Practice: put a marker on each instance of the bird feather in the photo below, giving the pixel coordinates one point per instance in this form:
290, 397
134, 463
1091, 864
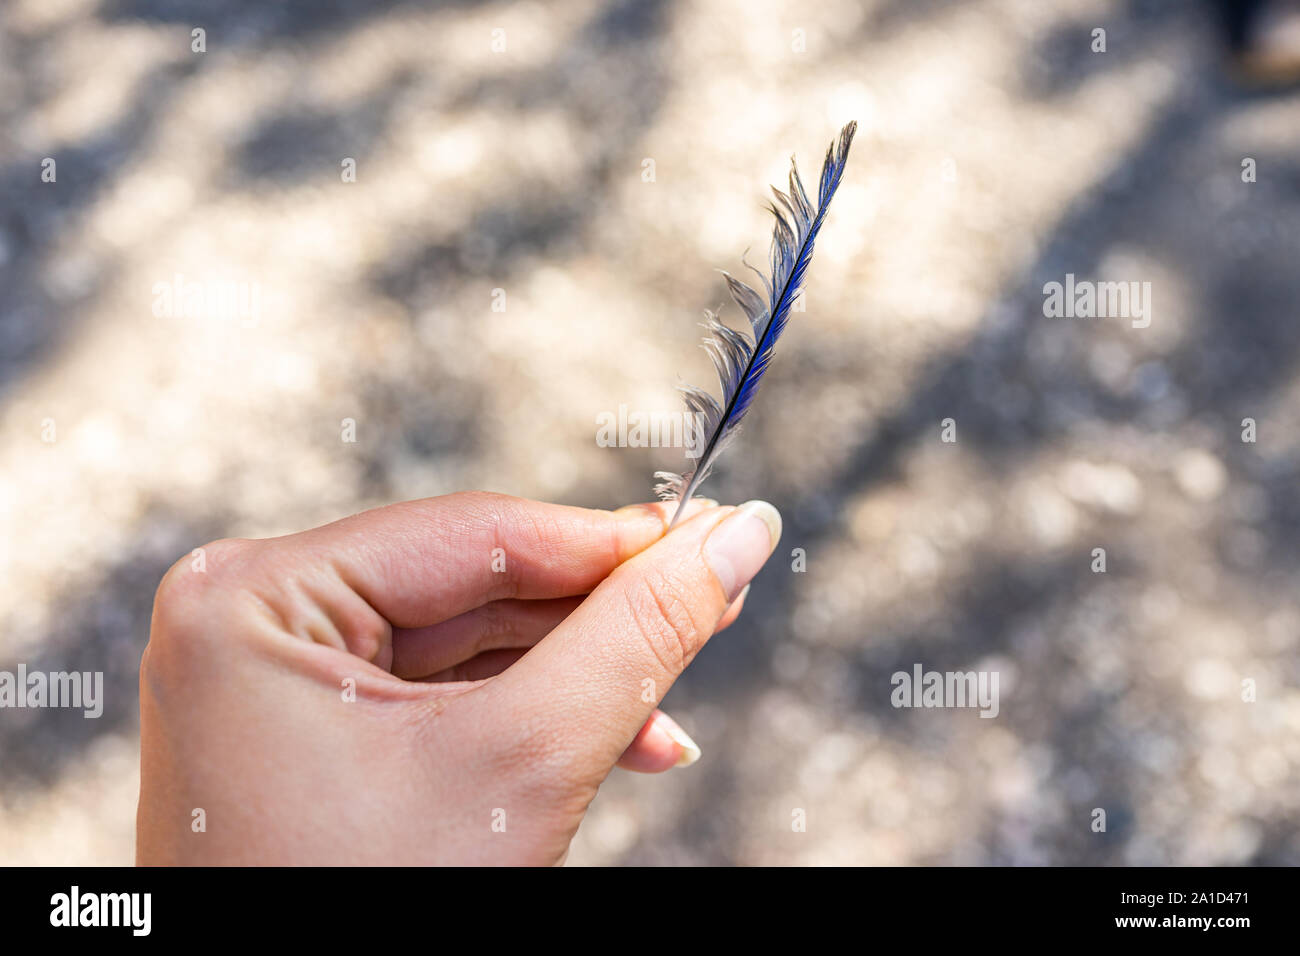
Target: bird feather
740, 362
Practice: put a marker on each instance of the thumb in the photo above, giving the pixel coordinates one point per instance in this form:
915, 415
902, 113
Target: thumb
589, 686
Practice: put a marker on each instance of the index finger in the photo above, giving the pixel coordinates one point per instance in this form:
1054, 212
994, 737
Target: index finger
421, 562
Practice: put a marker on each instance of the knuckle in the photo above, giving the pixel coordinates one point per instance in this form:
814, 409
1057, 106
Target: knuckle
363, 630
183, 581
371, 628
191, 584
487, 507
661, 608
499, 513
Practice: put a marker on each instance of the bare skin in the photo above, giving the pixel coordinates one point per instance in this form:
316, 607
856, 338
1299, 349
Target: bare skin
436, 682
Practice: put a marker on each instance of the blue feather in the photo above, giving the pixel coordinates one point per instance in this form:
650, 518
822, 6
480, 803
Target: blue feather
740, 364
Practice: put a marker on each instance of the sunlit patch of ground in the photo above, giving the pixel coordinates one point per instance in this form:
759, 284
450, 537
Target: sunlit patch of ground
997, 152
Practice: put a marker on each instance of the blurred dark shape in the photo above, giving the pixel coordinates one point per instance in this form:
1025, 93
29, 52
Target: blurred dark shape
1237, 17
1263, 41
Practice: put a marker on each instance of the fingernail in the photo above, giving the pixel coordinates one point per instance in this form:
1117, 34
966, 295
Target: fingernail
741, 544
690, 749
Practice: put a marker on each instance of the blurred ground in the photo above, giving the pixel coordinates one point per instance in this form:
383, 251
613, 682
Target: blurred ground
996, 153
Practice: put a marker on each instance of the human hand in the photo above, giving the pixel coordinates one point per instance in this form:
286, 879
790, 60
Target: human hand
440, 681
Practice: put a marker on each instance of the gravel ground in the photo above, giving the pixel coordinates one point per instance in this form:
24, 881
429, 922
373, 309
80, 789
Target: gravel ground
997, 152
